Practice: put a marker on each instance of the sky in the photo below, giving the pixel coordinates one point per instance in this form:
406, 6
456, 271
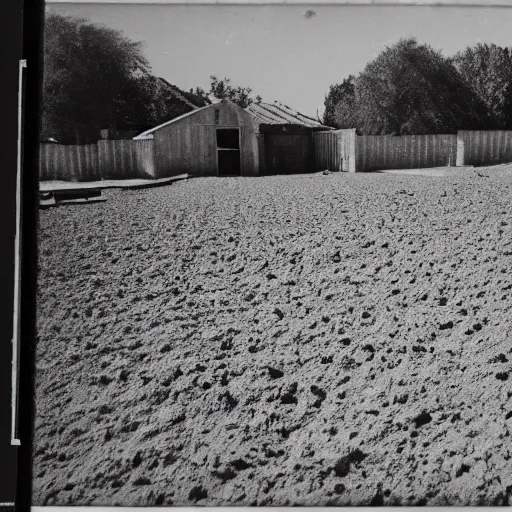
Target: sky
279, 52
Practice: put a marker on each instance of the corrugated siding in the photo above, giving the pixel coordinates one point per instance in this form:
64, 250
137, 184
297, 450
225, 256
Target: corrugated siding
71, 163
108, 159
379, 152
486, 147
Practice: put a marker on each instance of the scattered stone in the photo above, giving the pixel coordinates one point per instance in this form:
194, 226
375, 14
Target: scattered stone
197, 493
343, 466
274, 372
141, 481
422, 419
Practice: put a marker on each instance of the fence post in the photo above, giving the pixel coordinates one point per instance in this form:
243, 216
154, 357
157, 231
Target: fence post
352, 160
460, 149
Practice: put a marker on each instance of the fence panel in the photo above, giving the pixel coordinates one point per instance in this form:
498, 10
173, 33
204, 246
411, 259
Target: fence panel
70, 163
485, 147
379, 152
335, 150
116, 159
126, 159
325, 153
108, 159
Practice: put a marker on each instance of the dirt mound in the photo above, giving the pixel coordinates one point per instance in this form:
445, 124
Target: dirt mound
338, 339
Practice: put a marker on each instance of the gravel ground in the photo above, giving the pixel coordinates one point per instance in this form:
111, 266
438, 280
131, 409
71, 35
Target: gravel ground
289, 340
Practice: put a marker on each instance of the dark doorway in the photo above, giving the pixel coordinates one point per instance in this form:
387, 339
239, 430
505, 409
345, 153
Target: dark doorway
228, 152
288, 153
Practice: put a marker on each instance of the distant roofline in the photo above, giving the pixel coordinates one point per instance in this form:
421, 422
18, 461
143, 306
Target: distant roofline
274, 117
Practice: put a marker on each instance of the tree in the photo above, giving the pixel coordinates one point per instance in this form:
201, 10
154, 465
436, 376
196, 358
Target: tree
410, 88
487, 70
198, 96
339, 94
242, 96
94, 78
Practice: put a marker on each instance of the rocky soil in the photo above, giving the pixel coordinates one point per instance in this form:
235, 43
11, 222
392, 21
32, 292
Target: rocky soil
302, 340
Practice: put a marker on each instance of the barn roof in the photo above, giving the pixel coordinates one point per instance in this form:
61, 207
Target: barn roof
148, 134
262, 113
278, 113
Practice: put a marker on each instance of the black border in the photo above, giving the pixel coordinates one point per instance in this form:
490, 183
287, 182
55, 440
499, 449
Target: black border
33, 16
11, 12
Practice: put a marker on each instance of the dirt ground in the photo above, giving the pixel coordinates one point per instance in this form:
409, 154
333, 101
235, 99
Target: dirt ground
290, 340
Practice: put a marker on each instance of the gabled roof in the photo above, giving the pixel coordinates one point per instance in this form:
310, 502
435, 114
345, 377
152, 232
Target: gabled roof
148, 134
277, 113
262, 113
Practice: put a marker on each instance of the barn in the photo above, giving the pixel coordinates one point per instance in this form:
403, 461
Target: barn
287, 138
220, 139
223, 139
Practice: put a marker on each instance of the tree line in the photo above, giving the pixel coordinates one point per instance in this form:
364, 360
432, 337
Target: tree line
410, 88
96, 78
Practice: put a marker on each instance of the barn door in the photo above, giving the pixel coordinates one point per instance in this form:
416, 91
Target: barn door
228, 152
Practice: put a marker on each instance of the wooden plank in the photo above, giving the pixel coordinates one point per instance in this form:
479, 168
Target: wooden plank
50, 186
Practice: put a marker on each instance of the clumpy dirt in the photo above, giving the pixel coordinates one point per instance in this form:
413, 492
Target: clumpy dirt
291, 340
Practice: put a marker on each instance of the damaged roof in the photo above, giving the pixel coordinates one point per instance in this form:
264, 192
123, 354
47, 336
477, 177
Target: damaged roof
278, 113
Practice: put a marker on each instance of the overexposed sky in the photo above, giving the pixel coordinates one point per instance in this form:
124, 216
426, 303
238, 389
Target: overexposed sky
276, 50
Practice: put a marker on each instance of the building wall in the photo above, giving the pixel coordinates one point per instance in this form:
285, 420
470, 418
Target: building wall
288, 154
261, 153
289, 148
189, 145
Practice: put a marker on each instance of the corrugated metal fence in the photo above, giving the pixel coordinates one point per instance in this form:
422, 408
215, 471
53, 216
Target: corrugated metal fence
334, 150
107, 159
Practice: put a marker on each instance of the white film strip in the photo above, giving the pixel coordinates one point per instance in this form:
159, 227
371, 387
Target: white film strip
17, 268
